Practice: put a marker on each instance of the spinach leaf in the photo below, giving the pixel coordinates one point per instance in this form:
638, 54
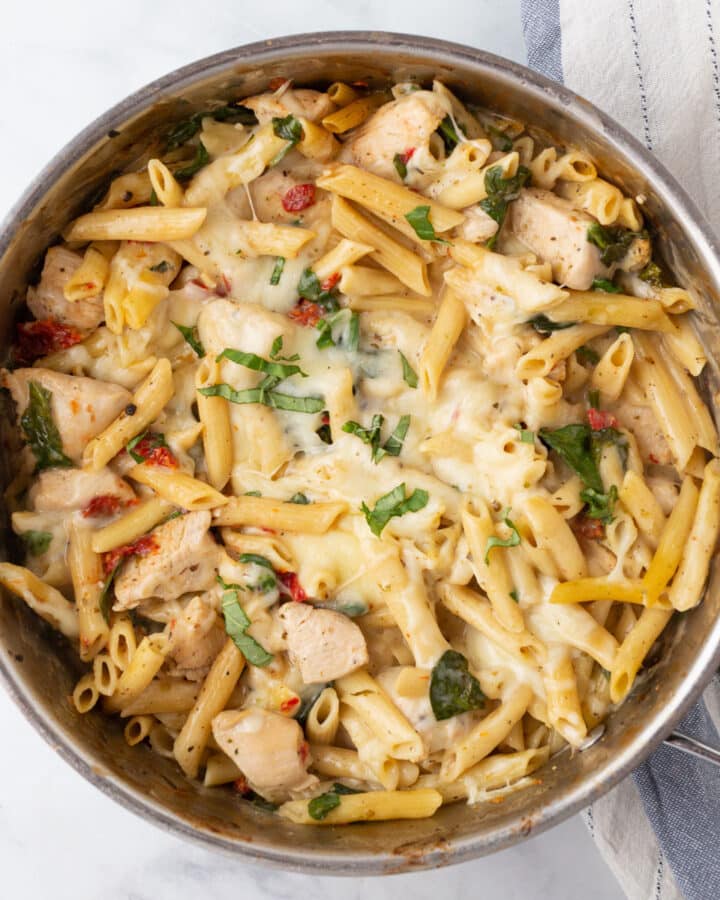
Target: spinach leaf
188, 128
500, 193
309, 288
495, 541
453, 690
36, 542
393, 504
446, 130
419, 218
409, 374
236, 625
574, 444
600, 506
587, 355
613, 241
277, 270
202, 158
604, 284
190, 334
289, 129
499, 139
320, 806
41, 431
543, 325
652, 274
266, 397
106, 595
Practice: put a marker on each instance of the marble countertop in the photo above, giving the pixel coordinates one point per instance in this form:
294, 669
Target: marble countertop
60, 66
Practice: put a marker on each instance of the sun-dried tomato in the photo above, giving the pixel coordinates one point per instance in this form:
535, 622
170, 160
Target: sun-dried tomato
143, 546
241, 786
592, 529
292, 585
289, 704
306, 313
154, 451
102, 505
407, 155
37, 339
298, 197
276, 83
599, 419
330, 282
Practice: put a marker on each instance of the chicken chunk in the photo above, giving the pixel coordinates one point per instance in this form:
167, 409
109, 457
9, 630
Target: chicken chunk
407, 123
184, 561
311, 105
47, 301
64, 489
322, 643
196, 637
81, 407
268, 748
557, 232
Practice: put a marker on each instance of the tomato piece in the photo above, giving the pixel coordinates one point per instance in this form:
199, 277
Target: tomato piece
292, 585
289, 704
599, 419
155, 452
306, 313
102, 505
298, 197
592, 529
276, 83
143, 546
241, 786
44, 336
330, 282
407, 155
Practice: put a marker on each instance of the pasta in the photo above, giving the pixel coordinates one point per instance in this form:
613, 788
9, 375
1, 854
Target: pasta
379, 464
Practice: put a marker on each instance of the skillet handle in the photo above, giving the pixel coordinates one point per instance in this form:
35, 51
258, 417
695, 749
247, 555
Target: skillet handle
695, 748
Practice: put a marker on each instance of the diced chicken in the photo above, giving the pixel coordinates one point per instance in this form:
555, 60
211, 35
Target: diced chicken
322, 643
557, 232
649, 436
81, 407
196, 637
406, 124
311, 105
478, 226
184, 561
47, 301
268, 748
62, 489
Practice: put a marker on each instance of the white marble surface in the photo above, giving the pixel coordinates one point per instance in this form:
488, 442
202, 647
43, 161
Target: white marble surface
61, 64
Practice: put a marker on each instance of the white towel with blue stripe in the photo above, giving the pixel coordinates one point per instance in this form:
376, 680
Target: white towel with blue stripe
652, 65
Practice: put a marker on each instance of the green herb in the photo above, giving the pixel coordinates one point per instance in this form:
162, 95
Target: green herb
495, 541
155, 439
594, 399
256, 559
188, 128
580, 448
622, 329
447, 132
279, 370
175, 514
324, 432
36, 542
400, 165
202, 158
300, 499
154, 198
500, 193
604, 284
453, 689
652, 274
266, 397
252, 494
587, 355
289, 129
325, 338
526, 436
162, 266
351, 332
600, 506
393, 445
277, 346
277, 270
514, 595
309, 288
419, 218
613, 241
353, 341
236, 626
106, 595
409, 374
543, 325
190, 334
260, 802
320, 806
395, 503
352, 608
499, 139
41, 431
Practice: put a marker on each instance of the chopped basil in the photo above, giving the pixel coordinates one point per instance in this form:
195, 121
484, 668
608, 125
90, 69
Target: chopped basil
155, 439
395, 503
500, 193
400, 165
41, 431
419, 218
289, 129
309, 288
277, 270
594, 399
409, 374
543, 325
325, 338
353, 340
350, 337
371, 436
514, 595
600, 506
495, 541
652, 275
190, 334
256, 559
604, 284
252, 361
154, 198
36, 542
453, 689
587, 355
394, 444
499, 139
580, 449
106, 595
202, 158
252, 494
446, 130
236, 626
277, 346
320, 806
613, 241
351, 608
188, 128
266, 397
300, 499
162, 266
526, 436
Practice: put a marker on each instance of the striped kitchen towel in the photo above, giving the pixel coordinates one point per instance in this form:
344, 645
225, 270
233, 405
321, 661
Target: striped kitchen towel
653, 66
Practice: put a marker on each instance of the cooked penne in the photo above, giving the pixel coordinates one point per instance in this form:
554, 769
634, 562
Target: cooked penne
143, 223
